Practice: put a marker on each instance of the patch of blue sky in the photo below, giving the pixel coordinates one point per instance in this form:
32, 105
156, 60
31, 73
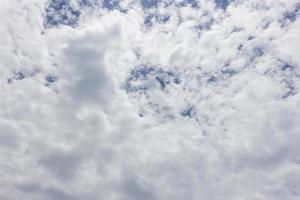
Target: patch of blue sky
150, 4
188, 112
290, 16
256, 53
60, 12
224, 74
287, 67
192, 3
90, 3
228, 72
290, 89
19, 75
222, 3
111, 4
51, 78
203, 26
147, 4
151, 18
139, 75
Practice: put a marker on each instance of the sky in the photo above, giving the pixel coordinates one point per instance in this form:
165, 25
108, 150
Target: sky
149, 100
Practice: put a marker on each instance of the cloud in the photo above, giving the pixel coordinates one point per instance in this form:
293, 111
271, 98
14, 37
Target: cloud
89, 76
8, 136
149, 100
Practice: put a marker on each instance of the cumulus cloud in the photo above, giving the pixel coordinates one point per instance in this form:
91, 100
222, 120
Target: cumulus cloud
150, 99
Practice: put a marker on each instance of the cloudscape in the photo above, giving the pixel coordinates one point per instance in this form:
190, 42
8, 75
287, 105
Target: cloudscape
149, 100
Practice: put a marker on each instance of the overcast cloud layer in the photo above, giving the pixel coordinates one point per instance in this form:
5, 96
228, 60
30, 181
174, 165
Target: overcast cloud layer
149, 100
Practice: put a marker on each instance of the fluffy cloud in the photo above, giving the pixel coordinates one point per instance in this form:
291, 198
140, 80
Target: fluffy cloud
149, 100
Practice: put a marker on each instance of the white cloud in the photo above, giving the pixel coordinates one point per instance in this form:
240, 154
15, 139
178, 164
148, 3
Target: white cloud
201, 103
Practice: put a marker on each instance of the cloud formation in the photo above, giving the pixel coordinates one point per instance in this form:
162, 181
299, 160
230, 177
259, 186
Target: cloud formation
150, 99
